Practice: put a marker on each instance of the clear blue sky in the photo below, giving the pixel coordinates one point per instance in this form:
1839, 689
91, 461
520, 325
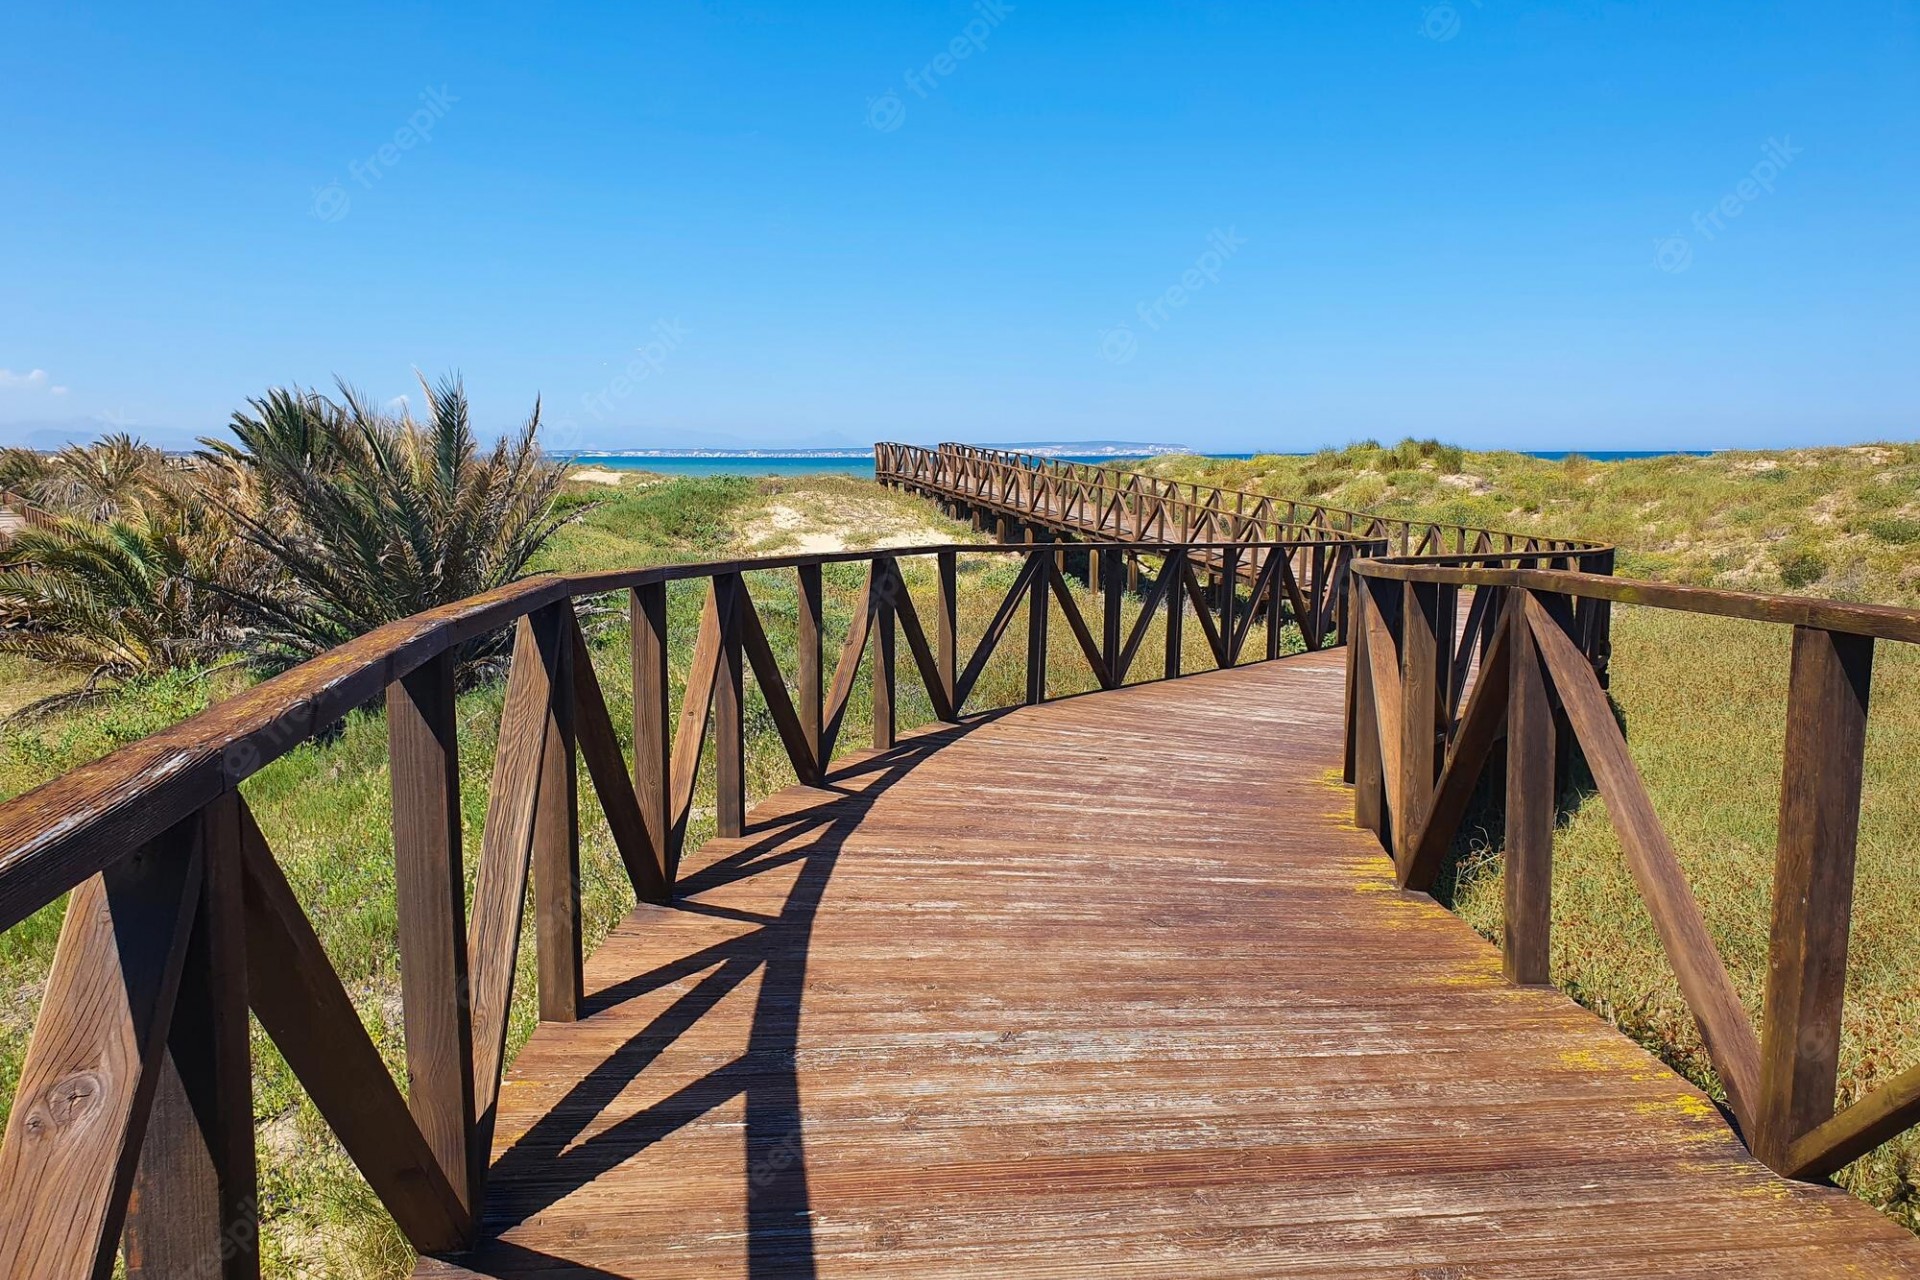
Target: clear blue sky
792, 224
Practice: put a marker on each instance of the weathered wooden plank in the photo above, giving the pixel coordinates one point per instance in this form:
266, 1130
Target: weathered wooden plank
1383, 669
1419, 708
1528, 880
556, 826
729, 714
1710, 994
195, 1204
1885, 1113
884, 673
1037, 610
947, 613
91, 1070
652, 733
1826, 740
430, 893
298, 999
500, 884
809, 692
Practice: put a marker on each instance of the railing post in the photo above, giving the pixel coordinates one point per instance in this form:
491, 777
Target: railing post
430, 892
1419, 707
729, 711
887, 582
1173, 570
1365, 767
947, 606
556, 828
1812, 884
1530, 806
195, 1204
1113, 570
807, 685
647, 610
1229, 596
1037, 596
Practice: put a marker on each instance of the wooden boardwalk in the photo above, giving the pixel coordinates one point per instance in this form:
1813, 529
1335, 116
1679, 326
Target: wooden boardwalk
1108, 986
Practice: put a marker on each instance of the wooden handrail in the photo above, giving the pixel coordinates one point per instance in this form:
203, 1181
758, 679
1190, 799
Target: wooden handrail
1538, 676
180, 919
973, 470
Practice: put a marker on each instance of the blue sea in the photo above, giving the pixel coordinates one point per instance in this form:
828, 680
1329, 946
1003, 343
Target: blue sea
862, 464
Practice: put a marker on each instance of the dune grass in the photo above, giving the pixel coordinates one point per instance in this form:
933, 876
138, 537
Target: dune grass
1704, 701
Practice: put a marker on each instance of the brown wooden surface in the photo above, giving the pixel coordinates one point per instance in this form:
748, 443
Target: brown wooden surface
196, 1199
73, 1140
1005, 1002
430, 893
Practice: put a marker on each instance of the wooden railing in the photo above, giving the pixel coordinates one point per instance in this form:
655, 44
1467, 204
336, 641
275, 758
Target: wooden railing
1418, 751
133, 1119
12, 504
1106, 501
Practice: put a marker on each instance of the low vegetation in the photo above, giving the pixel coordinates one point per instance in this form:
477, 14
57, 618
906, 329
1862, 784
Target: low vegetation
1704, 701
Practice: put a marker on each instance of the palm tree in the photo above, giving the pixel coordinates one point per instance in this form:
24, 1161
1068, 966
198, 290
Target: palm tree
126, 597
368, 518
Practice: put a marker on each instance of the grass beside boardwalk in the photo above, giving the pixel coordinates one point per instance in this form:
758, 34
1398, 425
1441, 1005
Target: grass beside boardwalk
1704, 701
325, 807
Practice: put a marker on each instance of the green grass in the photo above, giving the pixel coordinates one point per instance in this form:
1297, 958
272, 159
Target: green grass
1704, 701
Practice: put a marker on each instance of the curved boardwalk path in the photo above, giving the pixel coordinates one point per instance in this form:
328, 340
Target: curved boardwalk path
1109, 986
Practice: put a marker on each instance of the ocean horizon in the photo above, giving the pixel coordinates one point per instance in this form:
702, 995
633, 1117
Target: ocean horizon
813, 462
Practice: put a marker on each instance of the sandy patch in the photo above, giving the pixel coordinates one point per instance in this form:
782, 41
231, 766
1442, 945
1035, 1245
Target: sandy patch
597, 475
1464, 480
851, 524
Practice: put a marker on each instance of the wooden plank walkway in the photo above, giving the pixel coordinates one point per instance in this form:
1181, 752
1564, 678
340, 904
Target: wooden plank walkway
1109, 986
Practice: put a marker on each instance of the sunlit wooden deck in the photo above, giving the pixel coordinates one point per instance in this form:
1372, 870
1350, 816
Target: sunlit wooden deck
1109, 986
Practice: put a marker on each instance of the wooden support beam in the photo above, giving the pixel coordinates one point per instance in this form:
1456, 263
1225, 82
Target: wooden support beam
556, 827
1525, 950
947, 610
1173, 577
729, 714
430, 890
607, 770
1677, 918
87, 1085
1419, 704
1037, 610
809, 634
888, 588
652, 731
196, 1199
299, 1000
1832, 675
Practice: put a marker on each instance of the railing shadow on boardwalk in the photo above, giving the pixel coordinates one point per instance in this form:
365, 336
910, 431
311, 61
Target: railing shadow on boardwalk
778, 1209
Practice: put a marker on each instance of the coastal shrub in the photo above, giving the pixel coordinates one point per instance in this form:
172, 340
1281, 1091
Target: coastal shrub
367, 518
1800, 563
